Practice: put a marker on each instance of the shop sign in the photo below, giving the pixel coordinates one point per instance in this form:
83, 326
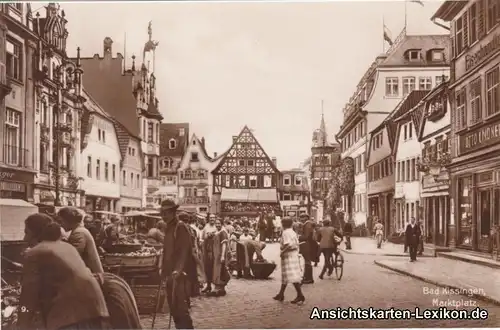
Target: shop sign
12, 186
7, 174
46, 197
484, 52
480, 138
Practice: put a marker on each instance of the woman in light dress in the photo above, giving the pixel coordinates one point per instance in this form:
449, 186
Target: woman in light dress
290, 263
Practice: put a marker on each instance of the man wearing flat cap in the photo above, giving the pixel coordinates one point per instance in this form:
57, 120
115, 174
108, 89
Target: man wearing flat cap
179, 267
307, 249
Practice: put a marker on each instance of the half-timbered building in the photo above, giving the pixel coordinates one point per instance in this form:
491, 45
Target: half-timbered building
246, 179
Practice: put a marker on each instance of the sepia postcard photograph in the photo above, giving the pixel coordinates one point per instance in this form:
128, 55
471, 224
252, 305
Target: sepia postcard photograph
250, 164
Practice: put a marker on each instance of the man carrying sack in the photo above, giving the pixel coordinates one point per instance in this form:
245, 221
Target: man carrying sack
179, 267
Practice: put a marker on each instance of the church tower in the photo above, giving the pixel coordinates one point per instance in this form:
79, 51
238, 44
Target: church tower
324, 157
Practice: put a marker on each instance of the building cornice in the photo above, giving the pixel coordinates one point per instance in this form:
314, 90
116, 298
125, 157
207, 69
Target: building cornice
350, 123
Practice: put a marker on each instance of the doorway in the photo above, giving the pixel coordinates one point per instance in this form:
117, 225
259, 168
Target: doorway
486, 212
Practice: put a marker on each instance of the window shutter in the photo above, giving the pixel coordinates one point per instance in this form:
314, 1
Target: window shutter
452, 37
465, 20
481, 18
473, 104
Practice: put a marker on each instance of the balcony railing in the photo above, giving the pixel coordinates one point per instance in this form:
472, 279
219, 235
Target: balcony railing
195, 200
14, 155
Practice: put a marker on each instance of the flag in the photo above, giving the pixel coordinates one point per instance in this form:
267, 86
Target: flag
387, 35
418, 2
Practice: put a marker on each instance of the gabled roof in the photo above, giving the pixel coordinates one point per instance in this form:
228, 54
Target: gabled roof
103, 79
424, 43
441, 88
245, 136
170, 131
124, 136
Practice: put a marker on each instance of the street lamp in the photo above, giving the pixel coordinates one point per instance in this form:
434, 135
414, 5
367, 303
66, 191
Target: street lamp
64, 72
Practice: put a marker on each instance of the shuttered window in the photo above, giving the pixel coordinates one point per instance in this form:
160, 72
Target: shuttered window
461, 111
492, 16
492, 90
481, 19
475, 101
473, 22
459, 35
465, 20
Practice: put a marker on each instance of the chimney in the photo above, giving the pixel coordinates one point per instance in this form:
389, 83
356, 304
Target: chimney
203, 141
275, 161
235, 138
215, 155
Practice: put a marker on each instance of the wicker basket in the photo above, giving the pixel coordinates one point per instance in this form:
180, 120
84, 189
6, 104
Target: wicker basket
123, 248
262, 270
146, 298
130, 261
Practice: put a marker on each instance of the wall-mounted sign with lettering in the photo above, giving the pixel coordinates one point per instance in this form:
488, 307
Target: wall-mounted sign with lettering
483, 137
8, 174
484, 52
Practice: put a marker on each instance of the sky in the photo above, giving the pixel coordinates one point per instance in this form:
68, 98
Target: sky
223, 65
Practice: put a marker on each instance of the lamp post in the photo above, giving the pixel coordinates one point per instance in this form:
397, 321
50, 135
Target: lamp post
68, 69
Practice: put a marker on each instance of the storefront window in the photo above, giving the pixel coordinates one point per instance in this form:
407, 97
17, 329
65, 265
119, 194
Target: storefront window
465, 210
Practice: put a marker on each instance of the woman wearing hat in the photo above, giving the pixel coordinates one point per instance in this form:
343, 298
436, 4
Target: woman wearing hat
57, 283
290, 263
120, 300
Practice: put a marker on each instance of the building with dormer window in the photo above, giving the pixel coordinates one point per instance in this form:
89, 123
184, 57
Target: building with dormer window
174, 140
413, 62
101, 168
246, 179
434, 137
58, 113
136, 108
475, 121
195, 181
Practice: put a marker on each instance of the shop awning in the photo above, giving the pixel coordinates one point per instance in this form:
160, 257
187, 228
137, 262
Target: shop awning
249, 195
13, 212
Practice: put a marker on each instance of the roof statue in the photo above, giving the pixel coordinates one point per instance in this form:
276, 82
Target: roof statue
150, 45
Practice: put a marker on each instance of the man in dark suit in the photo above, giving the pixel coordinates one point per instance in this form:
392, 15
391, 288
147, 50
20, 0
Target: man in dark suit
308, 247
327, 238
348, 233
179, 266
413, 235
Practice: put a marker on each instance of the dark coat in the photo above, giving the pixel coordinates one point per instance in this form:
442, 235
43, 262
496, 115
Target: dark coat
178, 251
82, 240
309, 247
412, 234
57, 283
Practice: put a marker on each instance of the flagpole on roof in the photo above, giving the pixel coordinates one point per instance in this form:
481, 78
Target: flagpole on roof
383, 31
406, 14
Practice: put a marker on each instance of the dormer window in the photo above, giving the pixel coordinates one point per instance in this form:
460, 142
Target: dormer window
172, 144
437, 55
298, 180
166, 163
287, 180
194, 142
414, 55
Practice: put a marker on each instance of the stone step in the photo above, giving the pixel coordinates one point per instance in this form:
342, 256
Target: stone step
470, 257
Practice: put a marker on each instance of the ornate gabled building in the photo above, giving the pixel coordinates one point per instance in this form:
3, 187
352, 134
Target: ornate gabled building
324, 157
246, 179
174, 139
413, 62
129, 95
18, 46
59, 110
435, 142
195, 180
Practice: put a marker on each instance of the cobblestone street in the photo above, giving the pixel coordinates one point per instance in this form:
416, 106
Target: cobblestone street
249, 303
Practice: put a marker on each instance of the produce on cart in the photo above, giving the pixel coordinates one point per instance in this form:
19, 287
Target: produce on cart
10, 304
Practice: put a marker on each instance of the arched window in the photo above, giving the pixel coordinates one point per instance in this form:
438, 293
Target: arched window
172, 144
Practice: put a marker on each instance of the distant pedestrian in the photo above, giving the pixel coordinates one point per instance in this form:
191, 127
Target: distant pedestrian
308, 247
290, 263
421, 241
347, 234
379, 233
412, 236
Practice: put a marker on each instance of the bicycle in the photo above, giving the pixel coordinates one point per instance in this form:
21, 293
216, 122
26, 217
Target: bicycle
338, 264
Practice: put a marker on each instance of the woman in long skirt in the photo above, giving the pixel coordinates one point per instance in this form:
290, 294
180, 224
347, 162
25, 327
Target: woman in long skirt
120, 301
221, 255
290, 263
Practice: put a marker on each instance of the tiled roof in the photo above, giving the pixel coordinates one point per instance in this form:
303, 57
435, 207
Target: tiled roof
170, 131
103, 79
425, 43
124, 136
